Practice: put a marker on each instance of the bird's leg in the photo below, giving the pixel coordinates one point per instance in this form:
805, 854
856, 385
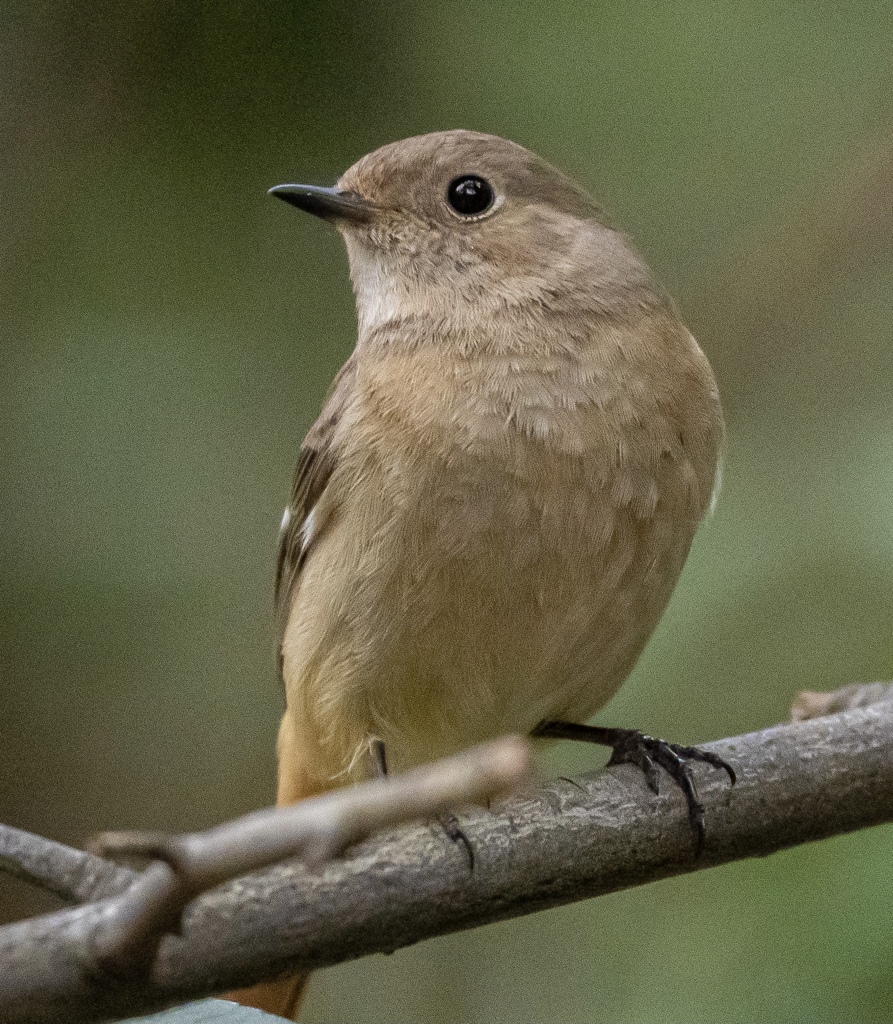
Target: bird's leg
448, 822
630, 746
379, 758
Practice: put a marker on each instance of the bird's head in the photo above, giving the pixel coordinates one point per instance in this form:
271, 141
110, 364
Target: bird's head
457, 225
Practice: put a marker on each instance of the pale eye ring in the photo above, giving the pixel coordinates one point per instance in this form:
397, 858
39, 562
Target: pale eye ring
470, 195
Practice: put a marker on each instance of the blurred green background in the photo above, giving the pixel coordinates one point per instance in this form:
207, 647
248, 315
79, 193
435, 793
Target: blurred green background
168, 334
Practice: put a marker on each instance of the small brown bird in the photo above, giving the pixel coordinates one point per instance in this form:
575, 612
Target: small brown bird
492, 510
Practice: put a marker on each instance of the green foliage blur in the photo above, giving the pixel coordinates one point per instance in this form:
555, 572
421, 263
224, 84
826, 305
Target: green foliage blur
168, 333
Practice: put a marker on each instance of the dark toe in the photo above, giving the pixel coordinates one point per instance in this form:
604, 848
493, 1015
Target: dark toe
648, 752
450, 825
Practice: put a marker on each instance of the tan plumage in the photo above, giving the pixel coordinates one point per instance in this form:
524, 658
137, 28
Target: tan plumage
490, 515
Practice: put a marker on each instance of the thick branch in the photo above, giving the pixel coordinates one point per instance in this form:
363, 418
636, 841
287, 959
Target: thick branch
797, 783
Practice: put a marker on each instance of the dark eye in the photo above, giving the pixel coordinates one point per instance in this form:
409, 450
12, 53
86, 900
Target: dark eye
470, 195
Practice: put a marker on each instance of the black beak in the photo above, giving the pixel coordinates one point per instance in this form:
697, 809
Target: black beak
328, 203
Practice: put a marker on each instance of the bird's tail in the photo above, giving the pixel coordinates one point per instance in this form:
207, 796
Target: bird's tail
283, 996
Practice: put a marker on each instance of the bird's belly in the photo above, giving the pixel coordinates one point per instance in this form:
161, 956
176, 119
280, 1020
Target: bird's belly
478, 601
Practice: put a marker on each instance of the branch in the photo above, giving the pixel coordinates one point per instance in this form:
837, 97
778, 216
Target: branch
565, 842
70, 874
813, 704
315, 831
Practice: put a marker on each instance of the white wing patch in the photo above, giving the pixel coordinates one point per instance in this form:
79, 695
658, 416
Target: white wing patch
308, 531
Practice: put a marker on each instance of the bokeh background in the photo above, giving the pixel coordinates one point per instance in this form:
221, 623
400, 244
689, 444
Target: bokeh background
168, 333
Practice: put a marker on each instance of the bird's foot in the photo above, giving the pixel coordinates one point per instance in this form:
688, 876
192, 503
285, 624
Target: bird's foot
379, 758
448, 822
634, 747
630, 746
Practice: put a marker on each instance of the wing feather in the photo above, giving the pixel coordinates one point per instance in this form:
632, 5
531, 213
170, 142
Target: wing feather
316, 461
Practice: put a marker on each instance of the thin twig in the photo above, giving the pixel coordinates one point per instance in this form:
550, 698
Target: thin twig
72, 875
315, 831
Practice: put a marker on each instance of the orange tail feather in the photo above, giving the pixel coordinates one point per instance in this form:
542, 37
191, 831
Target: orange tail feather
283, 996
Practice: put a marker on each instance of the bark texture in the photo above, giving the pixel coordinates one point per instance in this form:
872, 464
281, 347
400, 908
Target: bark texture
565, 841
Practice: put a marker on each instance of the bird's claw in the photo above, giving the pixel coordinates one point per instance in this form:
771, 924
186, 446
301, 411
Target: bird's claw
450, 824
647, 753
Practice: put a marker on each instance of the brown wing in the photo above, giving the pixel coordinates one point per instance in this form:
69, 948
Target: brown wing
316, 460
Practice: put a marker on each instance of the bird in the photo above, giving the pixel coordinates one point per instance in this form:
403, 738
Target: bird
493, 508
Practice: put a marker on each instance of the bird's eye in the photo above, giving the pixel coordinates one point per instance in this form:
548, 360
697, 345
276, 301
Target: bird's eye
470, 195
